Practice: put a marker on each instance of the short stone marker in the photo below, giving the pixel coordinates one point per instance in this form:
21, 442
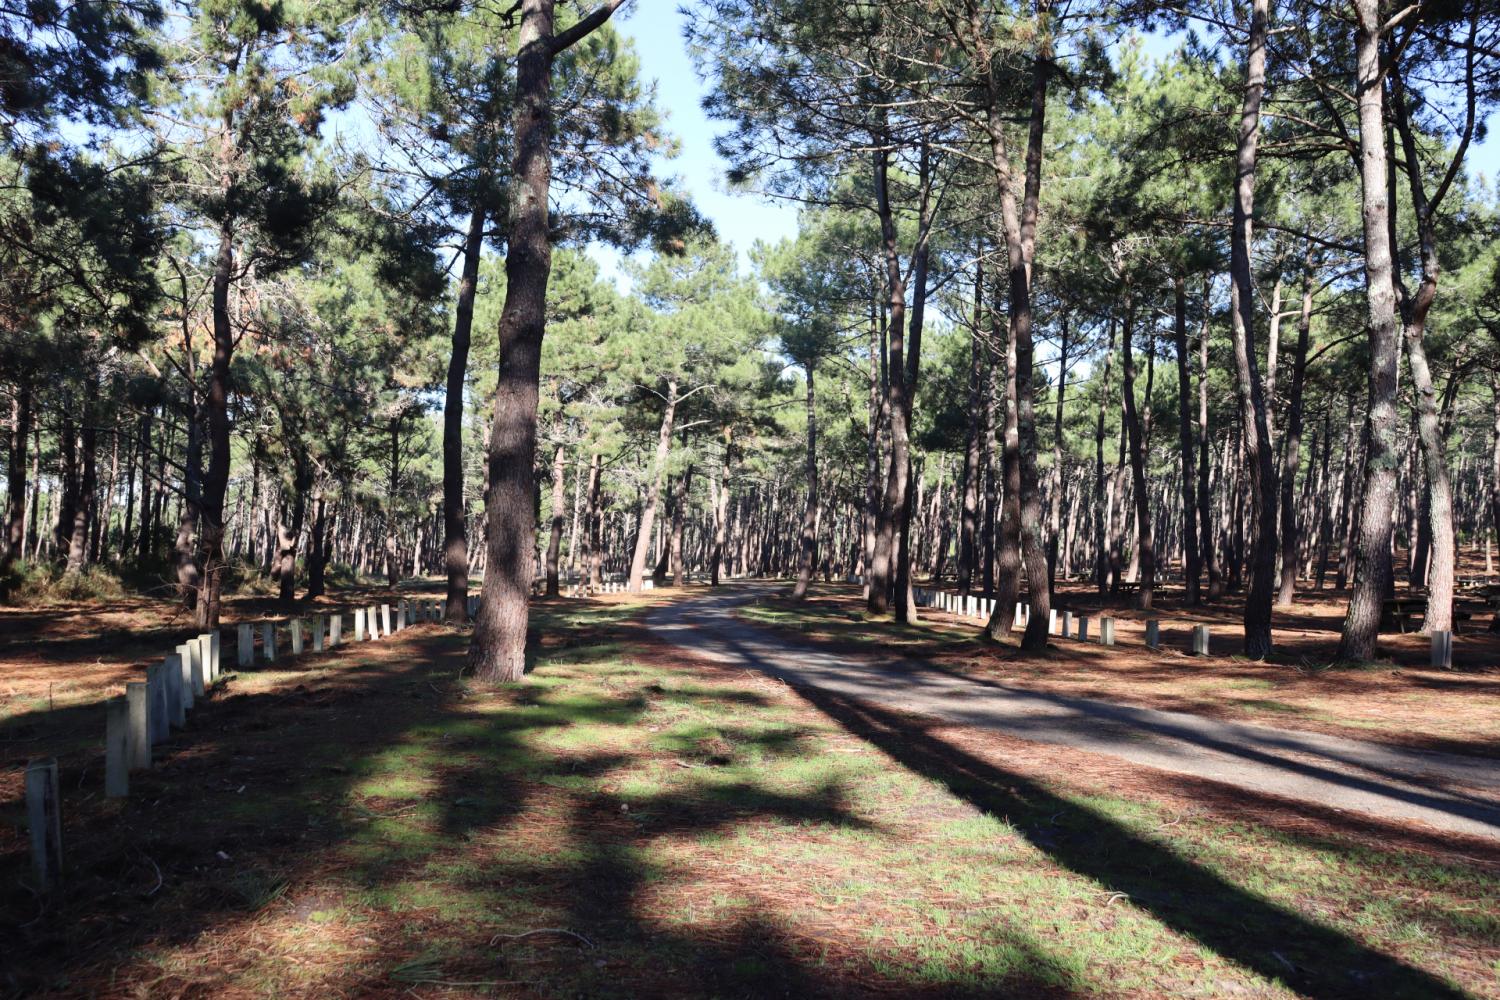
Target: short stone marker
1153, 634
268, 641
158, 716
335, 629
172, 680
296, 636
116, 748
1052, 621
1067, 631
246, 646
214, 654
138, 702
195, 668
44, 818
185, 671
1442, 648
359, 624
206, 659
1083, 629
1106, 631
317, 624
372, 622
385, 618
1200, 640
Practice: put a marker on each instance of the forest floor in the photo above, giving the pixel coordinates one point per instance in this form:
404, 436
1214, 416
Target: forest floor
1399, 700
635, 821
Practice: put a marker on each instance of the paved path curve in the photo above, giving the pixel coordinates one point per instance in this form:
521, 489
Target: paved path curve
1451, 792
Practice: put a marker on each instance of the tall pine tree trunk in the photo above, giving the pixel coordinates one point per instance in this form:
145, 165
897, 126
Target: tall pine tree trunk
1259, 456
1192, 564
455, 529
1293, 442
808, 551
1372, 543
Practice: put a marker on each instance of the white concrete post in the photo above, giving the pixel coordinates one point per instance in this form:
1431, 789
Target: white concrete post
171, 675
296, 636
318, 624
359, 624
1442, 648
185, 670
1052, 622
138, 705
246, 656
156, 695
195, 667
214, 653
268, 641
1106, 631
1200, 640
385, 619
206, 659
44, 818
1153, 634
335, 628
1083, 629
116, 748
1067, 631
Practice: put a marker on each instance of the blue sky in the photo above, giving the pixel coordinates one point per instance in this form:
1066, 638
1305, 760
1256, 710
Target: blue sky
741, 218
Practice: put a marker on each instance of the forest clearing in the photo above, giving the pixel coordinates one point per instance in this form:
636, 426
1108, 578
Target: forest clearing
750, 498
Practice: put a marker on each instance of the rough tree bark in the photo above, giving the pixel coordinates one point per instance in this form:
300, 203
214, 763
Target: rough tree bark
1145, 544
808, 553
554, 535
1293, 441
653, 492
1192, 564
1260, 458
498, 650
455, 532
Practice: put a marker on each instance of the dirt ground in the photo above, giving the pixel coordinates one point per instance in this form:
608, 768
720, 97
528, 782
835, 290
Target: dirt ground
633, 822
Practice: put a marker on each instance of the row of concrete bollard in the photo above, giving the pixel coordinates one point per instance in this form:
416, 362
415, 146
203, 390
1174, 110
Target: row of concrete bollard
622, 587
1073, 627
149, 710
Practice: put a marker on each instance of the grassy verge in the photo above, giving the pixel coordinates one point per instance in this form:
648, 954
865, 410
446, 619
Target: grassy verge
627, 823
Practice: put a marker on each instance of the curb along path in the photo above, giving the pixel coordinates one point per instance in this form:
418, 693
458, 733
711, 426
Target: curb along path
1447, 791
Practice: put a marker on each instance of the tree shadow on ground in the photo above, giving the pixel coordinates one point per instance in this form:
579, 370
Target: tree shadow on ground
1260, 935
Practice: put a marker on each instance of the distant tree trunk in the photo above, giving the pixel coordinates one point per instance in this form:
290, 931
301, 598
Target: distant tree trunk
1054, 516
216, 403
1259, 456
15, 485
67, 506
288, 535
1372, 554
1414, 308
318, 548
719, 498
1293, 442
1192, 563
872, 452
1008, 547
143, 544
455, 527
554, 535
969, 510
392, 563
1102, 503
1145, 543
189, 571
1205, 469
653, 493
679, 514
592, 527
808, 554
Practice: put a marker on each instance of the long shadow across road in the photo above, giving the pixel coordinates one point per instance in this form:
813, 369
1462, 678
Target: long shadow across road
1449, 792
